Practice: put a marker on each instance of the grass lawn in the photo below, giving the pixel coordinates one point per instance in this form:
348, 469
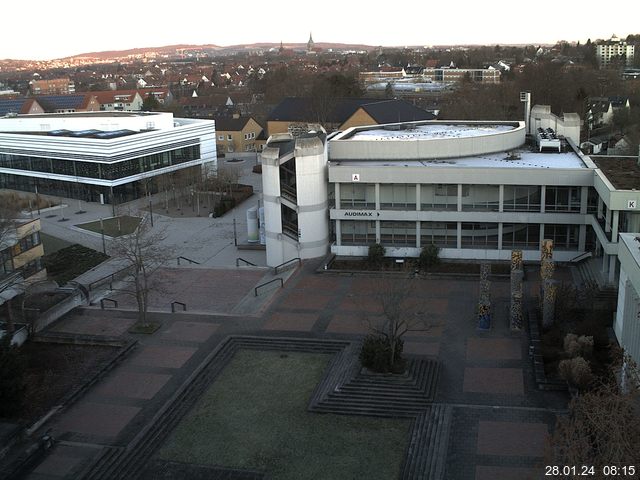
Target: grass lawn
114, 226
255, 416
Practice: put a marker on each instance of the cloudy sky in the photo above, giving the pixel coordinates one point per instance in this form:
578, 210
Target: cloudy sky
52, 29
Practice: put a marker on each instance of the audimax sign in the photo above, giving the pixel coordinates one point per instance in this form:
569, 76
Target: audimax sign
361, 213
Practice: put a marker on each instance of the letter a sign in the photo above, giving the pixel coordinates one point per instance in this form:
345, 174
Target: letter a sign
355, 177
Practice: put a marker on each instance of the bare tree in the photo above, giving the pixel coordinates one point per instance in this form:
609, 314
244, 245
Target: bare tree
404, 310
142, 252
602, 427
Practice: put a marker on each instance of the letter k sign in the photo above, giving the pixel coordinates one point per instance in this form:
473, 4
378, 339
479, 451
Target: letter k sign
632, 203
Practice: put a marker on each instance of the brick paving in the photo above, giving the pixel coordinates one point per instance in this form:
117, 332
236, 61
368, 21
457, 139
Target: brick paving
189, 331
512, 438
494, 380
163, 356
479, 371
296, 322
97, 419
132, 384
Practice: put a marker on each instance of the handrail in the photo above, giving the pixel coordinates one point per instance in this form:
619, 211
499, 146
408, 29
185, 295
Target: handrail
255, 290
173, 306
188, 260
111, 278
102, 300
287, 262
238, 260
580, 257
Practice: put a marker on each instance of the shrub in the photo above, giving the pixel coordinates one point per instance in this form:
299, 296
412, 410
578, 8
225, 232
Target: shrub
575, 371
575, 345
429, 256
376, 354
376, 255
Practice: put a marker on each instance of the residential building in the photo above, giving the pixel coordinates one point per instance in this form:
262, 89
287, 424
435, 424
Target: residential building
81, 102
22, 106
119, 100
21, 255
614, 50
337, 114
54, 86
600, 110
236, 135
102, 156
456, 75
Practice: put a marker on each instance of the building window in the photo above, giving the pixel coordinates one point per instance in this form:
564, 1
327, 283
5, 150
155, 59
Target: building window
522, 198
229, 137
398, 196
358, 195
398, 234
480, 235
441, 234
439, 197
565, 237
482, 197
525, 236
562, 199
221, 137
357, 232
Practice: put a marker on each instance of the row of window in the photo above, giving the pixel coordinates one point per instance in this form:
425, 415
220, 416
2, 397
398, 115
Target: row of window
7, 255
473, 197
247, 136
445, 234
105, 171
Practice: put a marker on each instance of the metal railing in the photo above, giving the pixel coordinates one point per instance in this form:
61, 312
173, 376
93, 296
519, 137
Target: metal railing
113, 302
110, 278
582, 256
188, 260
255, 290
238, 260
286, 264
173, 306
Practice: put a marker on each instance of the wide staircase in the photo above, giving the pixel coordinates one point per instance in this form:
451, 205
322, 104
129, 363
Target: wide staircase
593, 279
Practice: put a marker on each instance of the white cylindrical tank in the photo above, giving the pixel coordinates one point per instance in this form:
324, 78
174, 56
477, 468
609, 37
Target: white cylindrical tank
252, 225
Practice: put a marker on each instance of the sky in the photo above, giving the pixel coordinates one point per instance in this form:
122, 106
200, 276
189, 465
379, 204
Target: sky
54, 29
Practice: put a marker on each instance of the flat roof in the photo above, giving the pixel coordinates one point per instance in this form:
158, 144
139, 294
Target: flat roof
522, 158
410, 131
622, 172
83, 114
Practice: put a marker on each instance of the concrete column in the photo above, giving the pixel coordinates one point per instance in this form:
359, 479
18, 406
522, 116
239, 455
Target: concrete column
543, 197
607, 221
615, 223
418, 241
338, 233
459, 239
584, 198
377, 231
500, 236
377, 190
613, 260
541, 234
501, 198
605, 259
459, 197
582, 237
418, 195
337, 194
600, 206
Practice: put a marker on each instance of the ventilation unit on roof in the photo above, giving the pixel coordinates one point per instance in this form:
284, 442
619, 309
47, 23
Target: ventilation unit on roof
546, 140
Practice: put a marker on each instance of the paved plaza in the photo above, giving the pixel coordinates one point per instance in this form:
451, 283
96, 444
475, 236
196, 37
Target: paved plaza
500, 420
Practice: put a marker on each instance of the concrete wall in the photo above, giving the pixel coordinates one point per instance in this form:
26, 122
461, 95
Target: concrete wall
344, 148
568, 125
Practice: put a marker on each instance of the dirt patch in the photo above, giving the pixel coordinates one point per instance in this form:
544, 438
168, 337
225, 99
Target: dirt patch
54, 370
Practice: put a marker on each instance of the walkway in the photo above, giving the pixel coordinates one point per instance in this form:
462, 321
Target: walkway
500, 420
